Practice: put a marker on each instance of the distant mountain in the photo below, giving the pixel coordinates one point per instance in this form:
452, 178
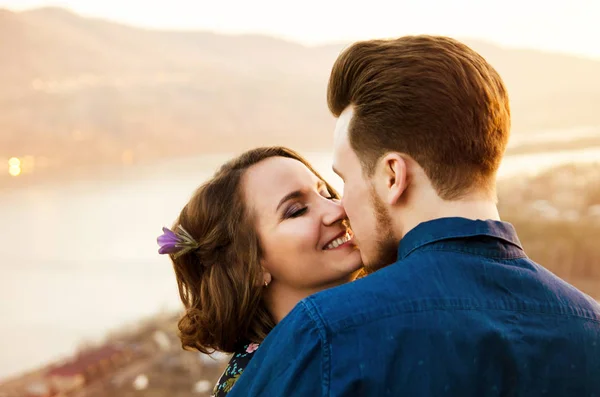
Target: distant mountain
79, 90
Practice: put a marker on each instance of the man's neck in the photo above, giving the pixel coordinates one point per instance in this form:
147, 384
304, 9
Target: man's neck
476, 209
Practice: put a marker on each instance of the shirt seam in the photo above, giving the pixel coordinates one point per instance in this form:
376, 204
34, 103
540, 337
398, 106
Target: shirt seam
318, 320
482, 309
474, 252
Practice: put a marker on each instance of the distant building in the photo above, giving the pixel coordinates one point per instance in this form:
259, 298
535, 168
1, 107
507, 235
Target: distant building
86, 367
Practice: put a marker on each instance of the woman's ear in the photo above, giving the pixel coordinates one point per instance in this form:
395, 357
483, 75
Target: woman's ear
266, 276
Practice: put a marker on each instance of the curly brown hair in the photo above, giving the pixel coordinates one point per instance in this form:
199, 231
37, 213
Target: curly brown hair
220, 283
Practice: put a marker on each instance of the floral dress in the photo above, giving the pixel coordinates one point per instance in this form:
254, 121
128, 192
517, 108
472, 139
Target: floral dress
239, 361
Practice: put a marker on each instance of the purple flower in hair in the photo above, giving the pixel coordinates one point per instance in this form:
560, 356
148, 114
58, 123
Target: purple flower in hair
168, 242
176, 243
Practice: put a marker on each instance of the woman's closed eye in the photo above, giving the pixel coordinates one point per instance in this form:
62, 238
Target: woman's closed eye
295, 210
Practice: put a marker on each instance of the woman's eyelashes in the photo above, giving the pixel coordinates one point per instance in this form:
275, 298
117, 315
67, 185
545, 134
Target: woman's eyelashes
295, 210
298, 209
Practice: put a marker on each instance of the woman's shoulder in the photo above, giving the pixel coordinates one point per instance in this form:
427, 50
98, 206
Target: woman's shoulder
238, 362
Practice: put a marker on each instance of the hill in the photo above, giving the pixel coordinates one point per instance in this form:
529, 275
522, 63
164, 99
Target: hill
80, 91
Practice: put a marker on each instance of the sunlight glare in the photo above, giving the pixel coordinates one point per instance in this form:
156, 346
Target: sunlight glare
14, 162
14, 170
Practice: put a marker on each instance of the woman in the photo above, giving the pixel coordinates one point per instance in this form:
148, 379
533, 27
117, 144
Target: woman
265, 232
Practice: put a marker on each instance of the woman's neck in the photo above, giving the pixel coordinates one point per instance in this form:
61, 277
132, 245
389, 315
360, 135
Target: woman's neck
282, 299
280, 303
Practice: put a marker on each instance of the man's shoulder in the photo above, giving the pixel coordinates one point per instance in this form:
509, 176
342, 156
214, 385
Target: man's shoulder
427, 282
361, 300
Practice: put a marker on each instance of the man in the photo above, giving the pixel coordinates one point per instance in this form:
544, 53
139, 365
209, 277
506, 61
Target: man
422, 126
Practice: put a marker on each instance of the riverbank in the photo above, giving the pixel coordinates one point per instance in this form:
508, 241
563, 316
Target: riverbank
146, 358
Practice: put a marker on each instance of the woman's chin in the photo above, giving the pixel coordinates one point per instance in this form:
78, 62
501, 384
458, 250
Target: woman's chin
353, 261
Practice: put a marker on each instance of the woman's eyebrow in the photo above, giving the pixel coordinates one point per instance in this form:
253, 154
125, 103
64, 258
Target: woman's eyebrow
297, 194
289, 196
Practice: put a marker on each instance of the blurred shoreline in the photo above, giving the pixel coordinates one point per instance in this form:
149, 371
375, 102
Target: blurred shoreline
111, 170
129, 360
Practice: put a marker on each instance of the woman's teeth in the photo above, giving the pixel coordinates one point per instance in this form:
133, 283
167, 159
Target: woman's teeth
338, 241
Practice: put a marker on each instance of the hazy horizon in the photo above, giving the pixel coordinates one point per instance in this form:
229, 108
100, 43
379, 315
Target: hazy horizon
566, 28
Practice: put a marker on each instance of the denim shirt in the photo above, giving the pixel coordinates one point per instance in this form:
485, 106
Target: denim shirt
463, 312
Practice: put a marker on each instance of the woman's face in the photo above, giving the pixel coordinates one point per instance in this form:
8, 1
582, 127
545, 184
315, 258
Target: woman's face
305, 242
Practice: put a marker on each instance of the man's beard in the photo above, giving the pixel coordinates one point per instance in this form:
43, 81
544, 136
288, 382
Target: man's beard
386, 250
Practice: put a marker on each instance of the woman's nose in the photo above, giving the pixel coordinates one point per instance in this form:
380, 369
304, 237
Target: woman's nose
333, 212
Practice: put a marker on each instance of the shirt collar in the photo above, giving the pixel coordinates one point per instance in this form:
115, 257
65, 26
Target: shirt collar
451, 228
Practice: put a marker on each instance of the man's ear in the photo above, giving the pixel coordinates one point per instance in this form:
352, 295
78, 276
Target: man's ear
393, 172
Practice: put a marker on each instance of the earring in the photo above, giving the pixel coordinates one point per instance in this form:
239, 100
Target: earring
266, 283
